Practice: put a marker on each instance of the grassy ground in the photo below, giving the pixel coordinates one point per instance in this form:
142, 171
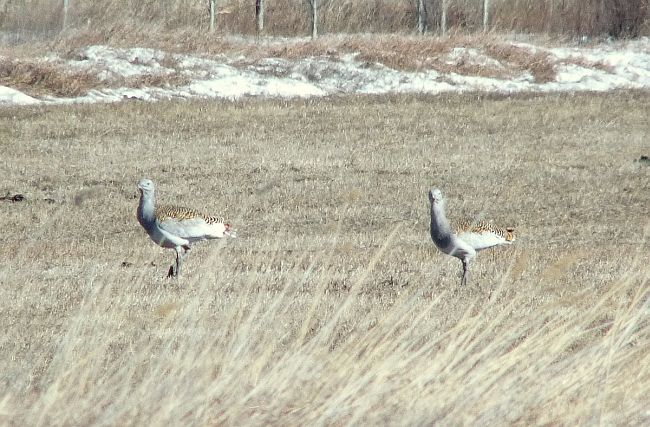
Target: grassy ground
332, 306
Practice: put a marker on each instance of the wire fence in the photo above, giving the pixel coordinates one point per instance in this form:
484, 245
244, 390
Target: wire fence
47, 18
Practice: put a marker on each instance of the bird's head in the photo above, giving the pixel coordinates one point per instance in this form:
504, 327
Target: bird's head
435, 196
145, 186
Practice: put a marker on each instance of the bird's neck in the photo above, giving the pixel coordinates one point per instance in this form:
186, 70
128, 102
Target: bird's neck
146, 209
440, 228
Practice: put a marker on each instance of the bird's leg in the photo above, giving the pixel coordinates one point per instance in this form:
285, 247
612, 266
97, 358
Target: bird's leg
186, 252
463, 281
175, 269
181, 253
179, 260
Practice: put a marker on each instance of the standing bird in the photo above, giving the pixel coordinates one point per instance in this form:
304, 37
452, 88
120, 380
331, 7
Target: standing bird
176, 227
464, 238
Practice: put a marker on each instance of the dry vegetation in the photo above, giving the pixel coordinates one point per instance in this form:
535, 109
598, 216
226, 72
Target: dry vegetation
43, 18
379, 32
43, 78
25, 69
38, 77
333, 306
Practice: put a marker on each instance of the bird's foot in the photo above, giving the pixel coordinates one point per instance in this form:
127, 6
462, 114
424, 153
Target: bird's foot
172, 272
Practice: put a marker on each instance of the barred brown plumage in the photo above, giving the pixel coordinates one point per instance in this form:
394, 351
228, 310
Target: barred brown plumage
467, 226
181, 213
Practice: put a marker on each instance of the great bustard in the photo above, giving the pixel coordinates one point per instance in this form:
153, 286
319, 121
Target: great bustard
176, 227
464, 238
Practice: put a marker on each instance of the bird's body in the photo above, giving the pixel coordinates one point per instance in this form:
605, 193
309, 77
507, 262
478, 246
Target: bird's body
176, 227
463, 239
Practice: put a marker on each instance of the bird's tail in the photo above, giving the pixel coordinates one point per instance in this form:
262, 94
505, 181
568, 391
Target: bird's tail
230, 232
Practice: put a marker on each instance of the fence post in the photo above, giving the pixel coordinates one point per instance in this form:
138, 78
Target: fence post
486, 14
66, 6
422, 17
314, 18
213, 7
259, 15
549, 18
443, 18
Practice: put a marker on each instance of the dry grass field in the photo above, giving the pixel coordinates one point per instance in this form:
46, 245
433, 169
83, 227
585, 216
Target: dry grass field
43, 19
332, 307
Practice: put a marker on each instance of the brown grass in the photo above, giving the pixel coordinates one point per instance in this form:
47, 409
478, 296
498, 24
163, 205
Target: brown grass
618, 18
42, 19
399, 52
539, 64
43, 78
332, 306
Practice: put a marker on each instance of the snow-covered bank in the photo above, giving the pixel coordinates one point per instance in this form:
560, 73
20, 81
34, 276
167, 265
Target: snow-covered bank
602, 67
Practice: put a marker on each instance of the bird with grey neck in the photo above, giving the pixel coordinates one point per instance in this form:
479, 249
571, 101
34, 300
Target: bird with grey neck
177, 227
463, 239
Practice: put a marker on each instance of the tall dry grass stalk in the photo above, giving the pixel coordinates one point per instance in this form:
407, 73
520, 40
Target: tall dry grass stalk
44, 18
225, 351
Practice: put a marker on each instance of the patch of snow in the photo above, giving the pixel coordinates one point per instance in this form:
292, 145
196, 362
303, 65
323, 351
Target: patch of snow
583, 78
9, 96
578, 68
113, 63
240, 85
